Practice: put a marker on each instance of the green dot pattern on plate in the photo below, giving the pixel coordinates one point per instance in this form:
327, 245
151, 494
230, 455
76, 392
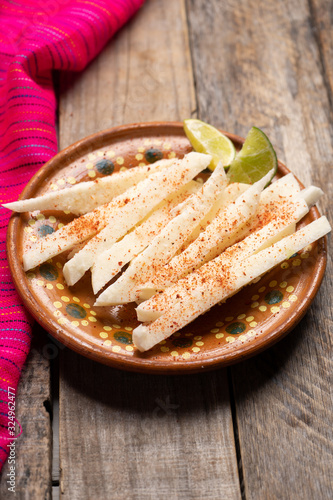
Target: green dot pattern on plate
123, 337
182, 342
76, 311
45, 230
153, 155
48, 272
237, 327
105, 167
273, 297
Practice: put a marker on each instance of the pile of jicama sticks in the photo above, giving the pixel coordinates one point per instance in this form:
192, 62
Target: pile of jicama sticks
189, 245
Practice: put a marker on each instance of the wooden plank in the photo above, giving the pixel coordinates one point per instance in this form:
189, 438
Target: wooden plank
122, 435
33, 405
264, 67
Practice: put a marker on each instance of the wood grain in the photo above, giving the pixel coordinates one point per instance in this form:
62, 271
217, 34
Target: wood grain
260, 63
33, 404
122, 435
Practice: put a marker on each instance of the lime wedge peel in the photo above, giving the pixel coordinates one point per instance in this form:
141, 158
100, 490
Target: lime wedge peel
256, 158
207, 139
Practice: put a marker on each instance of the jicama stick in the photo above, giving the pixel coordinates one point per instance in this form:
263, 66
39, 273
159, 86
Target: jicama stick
86, 196
211, 284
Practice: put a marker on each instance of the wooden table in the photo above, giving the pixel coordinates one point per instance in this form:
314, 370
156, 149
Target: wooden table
261, 429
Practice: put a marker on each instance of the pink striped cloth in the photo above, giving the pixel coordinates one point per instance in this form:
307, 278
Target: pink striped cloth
36, 37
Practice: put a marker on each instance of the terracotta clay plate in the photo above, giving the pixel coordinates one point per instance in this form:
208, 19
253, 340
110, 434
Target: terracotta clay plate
249, 322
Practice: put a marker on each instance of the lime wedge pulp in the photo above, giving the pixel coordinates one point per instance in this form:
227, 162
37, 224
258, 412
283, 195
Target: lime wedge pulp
207, 139
256, 158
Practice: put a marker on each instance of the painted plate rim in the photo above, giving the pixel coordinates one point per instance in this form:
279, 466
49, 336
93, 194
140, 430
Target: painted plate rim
118, 360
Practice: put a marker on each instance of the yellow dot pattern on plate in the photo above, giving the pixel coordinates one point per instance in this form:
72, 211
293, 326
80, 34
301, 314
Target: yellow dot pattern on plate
283, 284
57, 304
164, 349
107, 328
87, 306
110, 154
128, 328
65, 299
120, 160
241, 316
141, 150
167, 146
253, 324
40, 217
290, 289
71, 180
103, 335
61, 182
31, 222
199, 344
172, 154
115, 348
49, 286
262, 308
275, 309
75, 323
84, 322
92, 312
219, 335
57, 314
186, 355
116, 326
284, 265
67, 212
92, 319
28, 229
54, 187
122, 169
92, 173
139, 156
304, 255
174, 353
273, 283
229, 318
108, 342
76, 299
254, 305
52, 219
89, 166
60, 225
59, 265
100, 153
197, 337
60, 286
195, 349
31, 275
255, 297
262, 289
214, 330
129, 348
162, 342
219, 323
142, 164
176, 334
91, 156
292, 298
251, 333
62, 321
33, 238
188, 334
285, 304
230, 339
249, 319
297, 262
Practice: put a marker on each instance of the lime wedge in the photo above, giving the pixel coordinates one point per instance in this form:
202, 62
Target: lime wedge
256, 158
207, 139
